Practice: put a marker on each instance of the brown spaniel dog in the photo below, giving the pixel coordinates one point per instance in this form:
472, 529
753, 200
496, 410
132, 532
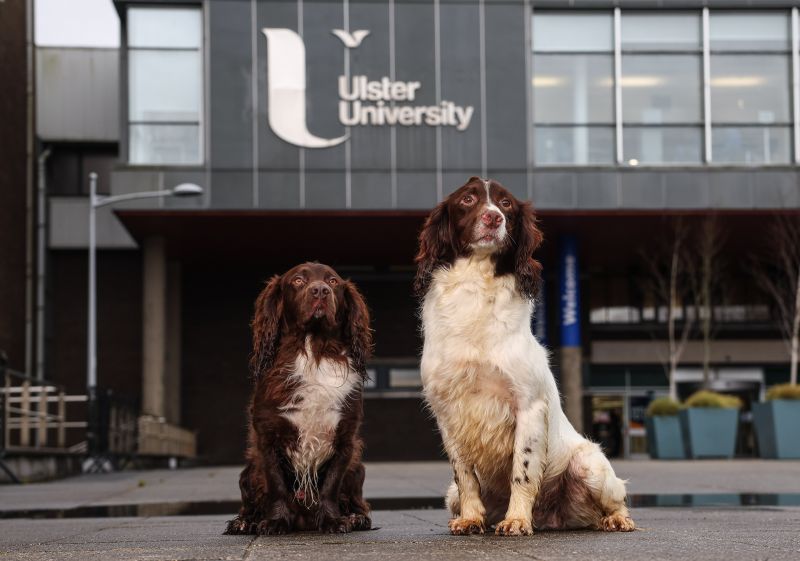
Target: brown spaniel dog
311, 339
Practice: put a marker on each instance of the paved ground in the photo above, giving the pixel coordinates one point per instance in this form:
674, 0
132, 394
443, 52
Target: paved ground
388, 480
665, 533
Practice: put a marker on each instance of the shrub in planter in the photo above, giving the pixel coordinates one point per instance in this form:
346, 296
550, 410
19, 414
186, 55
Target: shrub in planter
709, 423
663, 429
777, 421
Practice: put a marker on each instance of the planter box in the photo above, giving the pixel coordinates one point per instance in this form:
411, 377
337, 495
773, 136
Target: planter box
664, 437
709, 432
777, 425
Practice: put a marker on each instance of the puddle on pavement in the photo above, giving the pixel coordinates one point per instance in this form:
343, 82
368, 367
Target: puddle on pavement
710, 500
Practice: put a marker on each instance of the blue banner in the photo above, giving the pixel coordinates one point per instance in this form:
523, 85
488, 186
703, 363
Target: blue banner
569, 293
540, 315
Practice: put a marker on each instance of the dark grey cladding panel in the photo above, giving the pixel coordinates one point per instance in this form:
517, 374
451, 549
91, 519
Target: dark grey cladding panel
324, 64
514, 181
731, 189
452, 180
597, 189
460, 53
416, 190
231, 104
231, 189
325, 189
279, 190
370, 145
372, 190
272, 151
642, 189
415, 61
776, 189
686, 189
506, 86
554, 190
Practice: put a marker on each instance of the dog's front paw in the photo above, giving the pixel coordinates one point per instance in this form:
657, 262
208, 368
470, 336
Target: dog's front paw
617, 523
237, 526
273, 527
514, 527
466, 526
336, 525
360, 522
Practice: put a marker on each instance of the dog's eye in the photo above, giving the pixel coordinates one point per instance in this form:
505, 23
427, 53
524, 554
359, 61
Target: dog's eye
332, 281
467, 199
298, 281
505, 203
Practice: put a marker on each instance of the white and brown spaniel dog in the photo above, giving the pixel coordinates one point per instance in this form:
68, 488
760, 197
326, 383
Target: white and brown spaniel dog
311, 340
517, 461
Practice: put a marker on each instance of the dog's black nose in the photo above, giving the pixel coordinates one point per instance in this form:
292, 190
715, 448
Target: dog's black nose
319, 289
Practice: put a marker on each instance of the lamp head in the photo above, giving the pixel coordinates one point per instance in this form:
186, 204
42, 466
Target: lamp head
187, 190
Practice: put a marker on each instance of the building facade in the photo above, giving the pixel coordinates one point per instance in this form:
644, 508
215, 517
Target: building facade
326, 130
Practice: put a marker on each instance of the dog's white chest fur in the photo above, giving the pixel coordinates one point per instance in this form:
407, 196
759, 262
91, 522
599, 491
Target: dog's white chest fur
480, 360
315, 410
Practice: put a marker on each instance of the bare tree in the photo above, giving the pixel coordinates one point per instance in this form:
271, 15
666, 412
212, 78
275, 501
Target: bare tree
706, 273
779, 276
667, 266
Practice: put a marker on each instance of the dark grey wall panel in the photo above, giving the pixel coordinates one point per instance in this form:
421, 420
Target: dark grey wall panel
415, 61
279, 190
273, 153
324, 64
372, 190
370, 145
231, 145
231, 189
730, 189
686, 190
506, 86
597, 190
514, 181
416, 190
325, 190
460, 52
776, 189
642, 189
554, 189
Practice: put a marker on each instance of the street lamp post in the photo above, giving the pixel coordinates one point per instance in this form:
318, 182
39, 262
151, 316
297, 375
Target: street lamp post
95, 201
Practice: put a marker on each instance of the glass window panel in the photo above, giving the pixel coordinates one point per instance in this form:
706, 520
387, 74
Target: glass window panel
165, 144
573, 88
165, 85
748, 31
750, 89
661, 31
165, 27
573, 32
662, 145
751, 145
574, 145
661, 89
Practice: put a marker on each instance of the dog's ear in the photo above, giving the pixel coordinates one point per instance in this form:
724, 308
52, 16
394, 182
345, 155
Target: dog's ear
357, 331
266, 326
527, 237
435, 247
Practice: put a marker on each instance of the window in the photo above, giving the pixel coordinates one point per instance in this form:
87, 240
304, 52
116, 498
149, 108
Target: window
573, 88
750, 87
165, 85
662, 93
661, 85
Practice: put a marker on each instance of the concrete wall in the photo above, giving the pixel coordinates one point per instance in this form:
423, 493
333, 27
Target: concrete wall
77, 94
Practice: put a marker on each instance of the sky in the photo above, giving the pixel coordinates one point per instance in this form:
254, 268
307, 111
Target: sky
76, 23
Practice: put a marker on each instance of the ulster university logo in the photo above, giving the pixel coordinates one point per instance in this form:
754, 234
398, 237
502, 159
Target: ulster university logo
362, 101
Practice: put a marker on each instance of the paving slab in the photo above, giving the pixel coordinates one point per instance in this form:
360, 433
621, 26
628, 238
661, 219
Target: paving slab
387, 480
665, 533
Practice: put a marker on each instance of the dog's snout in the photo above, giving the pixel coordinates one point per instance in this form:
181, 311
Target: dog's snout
319, 289
492, 219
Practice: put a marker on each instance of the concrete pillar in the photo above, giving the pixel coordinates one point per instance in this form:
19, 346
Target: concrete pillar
570, 316
172, 384
154, 326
